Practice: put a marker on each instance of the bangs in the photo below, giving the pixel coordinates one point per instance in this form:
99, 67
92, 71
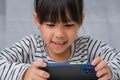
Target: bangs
59, 10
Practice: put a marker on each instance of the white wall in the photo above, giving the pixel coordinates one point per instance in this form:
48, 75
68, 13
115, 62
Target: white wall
103, 20
2, 23
18, 21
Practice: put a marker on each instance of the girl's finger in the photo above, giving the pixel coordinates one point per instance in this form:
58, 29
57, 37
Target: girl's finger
101, 72
42, 73
100, 66
39, 64
96, 61
36, 73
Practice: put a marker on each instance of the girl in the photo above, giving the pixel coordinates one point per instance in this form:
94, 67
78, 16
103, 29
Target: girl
58, 21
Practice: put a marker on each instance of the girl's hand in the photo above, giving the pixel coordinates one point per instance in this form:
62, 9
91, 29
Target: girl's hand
103, 72
34, 73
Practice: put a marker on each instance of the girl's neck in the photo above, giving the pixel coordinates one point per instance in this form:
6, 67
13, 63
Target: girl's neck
61, 57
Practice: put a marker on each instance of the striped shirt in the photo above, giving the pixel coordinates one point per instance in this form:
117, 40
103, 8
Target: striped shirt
16, 59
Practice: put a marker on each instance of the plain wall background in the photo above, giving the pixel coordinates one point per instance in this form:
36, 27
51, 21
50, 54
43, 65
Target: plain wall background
102, 21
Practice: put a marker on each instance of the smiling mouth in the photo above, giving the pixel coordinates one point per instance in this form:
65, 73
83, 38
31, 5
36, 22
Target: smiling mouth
58, 44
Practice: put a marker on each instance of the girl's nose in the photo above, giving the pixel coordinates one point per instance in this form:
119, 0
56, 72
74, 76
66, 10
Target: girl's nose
60, 33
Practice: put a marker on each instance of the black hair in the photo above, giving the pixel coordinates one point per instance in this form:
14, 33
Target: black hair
57, 10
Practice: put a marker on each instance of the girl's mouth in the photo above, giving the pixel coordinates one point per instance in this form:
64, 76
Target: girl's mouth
58, 44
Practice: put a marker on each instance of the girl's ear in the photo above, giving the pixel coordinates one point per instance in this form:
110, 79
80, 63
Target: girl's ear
36, 20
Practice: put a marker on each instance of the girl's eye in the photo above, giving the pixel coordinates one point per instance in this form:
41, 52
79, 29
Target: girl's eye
51, 25
69, 25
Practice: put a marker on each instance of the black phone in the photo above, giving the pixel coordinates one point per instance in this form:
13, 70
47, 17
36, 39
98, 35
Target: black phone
70, 71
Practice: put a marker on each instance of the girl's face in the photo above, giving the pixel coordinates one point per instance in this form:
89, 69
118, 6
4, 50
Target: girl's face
58, 37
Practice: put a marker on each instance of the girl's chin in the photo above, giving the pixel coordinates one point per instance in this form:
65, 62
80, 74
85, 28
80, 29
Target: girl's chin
58, 50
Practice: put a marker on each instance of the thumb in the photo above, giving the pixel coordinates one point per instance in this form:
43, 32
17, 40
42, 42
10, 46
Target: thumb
39, 64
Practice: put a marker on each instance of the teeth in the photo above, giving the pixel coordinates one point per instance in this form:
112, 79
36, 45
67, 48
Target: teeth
59, 42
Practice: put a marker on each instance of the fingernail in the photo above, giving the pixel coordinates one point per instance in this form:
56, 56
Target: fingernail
44, 64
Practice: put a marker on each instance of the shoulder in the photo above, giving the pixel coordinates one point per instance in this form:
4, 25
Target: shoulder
29, 40
88, 41
82, 39
33, 37
86, 38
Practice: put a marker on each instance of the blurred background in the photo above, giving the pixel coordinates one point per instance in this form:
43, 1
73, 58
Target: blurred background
102, 21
